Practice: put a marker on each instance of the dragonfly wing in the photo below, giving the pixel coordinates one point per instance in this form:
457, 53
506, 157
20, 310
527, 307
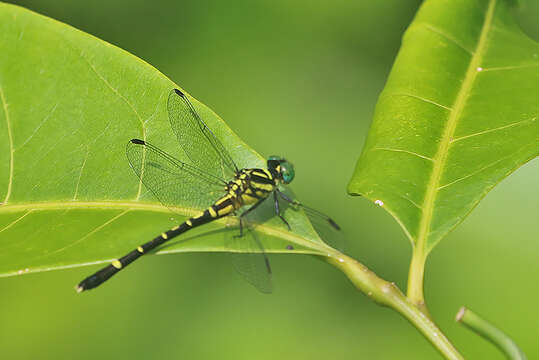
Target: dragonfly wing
173, 182
326, 228
249, 258
197, 140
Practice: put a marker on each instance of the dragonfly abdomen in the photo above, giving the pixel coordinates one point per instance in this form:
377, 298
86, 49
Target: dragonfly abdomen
222, 207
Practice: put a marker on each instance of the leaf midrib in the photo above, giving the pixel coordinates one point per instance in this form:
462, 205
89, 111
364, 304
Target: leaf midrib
454, 116
318, 248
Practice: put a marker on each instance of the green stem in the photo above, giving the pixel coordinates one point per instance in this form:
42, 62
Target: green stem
488, 331
415, 280
388, 294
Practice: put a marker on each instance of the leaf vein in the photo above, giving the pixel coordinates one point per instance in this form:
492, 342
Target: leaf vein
447, 37
494, 129
411, 201
403, 151
441, 156
10, 139
108, 222
15, 221
37, 128
422, 99
501, 68
471, 174
80, 173
142, 123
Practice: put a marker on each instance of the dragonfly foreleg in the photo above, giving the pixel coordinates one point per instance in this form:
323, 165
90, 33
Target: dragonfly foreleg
309, 210
278, 211
286, 198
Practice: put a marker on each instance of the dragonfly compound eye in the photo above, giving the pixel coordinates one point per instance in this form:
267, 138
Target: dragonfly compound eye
287, 171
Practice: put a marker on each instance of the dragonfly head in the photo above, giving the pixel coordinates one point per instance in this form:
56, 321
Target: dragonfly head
282, 168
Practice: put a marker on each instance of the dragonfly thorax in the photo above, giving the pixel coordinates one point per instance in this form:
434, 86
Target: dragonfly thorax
250, 186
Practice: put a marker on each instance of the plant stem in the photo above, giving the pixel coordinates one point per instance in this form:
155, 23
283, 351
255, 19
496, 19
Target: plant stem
415, 280
388, 294
488, 331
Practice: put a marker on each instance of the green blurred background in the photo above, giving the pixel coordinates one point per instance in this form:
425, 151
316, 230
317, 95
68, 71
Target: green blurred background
299, 78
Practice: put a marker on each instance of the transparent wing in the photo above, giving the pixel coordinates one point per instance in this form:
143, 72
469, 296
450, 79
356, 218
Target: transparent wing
327, 229
197, 140
172, 181
249, 258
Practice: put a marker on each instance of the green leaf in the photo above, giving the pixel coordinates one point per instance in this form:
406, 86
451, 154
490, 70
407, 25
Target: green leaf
458, 114
69, 104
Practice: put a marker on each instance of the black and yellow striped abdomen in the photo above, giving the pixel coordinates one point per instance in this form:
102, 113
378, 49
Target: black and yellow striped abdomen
248, 187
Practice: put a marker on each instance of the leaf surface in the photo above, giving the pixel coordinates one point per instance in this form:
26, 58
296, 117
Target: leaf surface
457, 115
69, 103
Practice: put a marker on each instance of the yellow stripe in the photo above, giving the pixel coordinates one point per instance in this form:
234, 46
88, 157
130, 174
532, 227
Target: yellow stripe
268, 173
140, 249
117, 264
222, 200
176, 227
212, 212
261, 174
248, 198
226, 210
164, 236
188, 222
259, 186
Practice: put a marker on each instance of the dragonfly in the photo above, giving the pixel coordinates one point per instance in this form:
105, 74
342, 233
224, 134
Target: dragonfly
212, 170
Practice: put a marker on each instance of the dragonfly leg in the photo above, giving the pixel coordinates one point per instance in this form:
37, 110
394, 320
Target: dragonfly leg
247, 212
309, 210
278, 211
286, 198
241, 228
